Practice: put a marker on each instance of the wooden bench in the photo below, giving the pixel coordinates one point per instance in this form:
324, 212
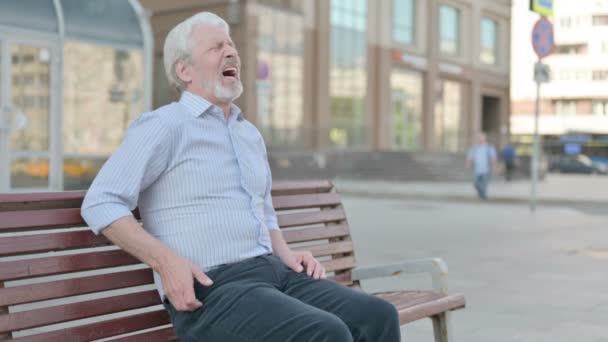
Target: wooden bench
54, 270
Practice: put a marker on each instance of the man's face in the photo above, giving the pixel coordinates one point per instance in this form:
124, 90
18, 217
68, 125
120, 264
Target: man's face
215, 68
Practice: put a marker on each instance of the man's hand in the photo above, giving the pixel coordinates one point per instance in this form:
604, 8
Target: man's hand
177, 275
303, 260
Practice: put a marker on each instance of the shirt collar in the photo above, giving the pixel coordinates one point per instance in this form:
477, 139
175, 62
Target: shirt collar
198, 106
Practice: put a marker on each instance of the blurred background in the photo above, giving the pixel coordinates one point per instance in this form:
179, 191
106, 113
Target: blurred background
332, 85
384, 97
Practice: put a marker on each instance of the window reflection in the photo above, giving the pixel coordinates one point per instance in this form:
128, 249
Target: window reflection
404, 21
449, 30
102, 95
448, 116
279, 81
406, 119
348, 80
30, 97
489, 37
28, 116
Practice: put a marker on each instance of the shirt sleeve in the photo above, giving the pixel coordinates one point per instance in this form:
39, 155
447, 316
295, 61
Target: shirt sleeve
141, 158
270, 216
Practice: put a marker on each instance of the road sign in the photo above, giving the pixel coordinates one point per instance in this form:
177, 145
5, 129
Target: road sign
541, 73
542, 38
542, 7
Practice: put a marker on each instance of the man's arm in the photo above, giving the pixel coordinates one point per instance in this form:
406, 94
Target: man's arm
175, 272
141, 158
294, 260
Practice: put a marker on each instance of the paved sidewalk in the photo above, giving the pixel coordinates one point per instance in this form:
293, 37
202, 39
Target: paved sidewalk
556, 189
526, 277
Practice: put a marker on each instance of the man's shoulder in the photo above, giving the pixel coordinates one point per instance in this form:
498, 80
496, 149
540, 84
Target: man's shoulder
160, 120
167, 114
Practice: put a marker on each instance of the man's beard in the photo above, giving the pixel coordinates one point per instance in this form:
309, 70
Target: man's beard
230, 93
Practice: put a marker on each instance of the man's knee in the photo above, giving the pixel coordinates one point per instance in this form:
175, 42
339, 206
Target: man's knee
330, 329
378, 321
384, 312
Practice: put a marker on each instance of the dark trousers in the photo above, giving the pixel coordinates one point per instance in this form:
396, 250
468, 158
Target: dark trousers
509, 167
262, 300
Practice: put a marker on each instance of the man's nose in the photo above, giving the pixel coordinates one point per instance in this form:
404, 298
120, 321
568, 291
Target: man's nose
230, 52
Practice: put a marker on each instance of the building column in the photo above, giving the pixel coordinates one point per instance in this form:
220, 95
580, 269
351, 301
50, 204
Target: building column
317, 67
431, 82
379, 73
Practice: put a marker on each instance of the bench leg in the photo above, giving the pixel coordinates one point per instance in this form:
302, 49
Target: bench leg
441, 329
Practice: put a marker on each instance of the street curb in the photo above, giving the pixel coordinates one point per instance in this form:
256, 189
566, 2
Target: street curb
469, 199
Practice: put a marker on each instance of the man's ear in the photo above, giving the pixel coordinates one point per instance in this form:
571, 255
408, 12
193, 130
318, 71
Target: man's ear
183, 71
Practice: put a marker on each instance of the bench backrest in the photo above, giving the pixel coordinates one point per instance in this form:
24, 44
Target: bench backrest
54, 270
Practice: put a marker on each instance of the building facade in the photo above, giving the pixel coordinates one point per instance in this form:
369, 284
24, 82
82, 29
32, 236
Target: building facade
384, 75
321, 77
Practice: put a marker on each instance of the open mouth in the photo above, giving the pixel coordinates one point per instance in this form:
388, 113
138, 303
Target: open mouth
229, 72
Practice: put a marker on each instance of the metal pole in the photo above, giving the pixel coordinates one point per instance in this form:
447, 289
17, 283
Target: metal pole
535, 150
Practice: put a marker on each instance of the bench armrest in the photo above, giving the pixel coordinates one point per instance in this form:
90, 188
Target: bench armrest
435, 266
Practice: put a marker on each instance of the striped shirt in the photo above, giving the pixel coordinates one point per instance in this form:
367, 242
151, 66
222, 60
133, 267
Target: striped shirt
202, 183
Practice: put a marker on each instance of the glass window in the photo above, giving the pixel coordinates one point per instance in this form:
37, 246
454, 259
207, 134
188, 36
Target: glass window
600, 107
29, 14
110, 21
600, 20
102, 94
449, 30
404, 21
279, 81
489, 39
406, 116
599, 75
348, 75
30, 67
565, 107
29, 116
448, 116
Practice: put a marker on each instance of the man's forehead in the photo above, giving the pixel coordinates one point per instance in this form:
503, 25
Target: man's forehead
210, 33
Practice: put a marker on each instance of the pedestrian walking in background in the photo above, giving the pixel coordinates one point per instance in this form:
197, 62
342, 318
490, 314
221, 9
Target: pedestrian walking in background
482, 159
509, 157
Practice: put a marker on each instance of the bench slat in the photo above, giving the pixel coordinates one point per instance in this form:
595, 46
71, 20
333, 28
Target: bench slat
98, 330
39, 243
161, 335
312, 234
39, 197
328, 249
312, 217
72, 287
342, 278
40, 219
20, 269
305, 201
339, 264
69, 312
412, 305
306, 187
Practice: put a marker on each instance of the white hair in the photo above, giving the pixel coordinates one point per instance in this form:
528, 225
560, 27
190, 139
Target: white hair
178, 44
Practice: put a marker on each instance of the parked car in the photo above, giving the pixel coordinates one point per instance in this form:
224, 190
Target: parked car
579, 163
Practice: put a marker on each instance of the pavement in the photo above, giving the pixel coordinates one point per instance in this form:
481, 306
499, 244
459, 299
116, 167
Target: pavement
555, 189
527, 277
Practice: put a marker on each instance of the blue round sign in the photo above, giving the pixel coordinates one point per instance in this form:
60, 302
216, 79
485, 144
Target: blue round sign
542, 38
